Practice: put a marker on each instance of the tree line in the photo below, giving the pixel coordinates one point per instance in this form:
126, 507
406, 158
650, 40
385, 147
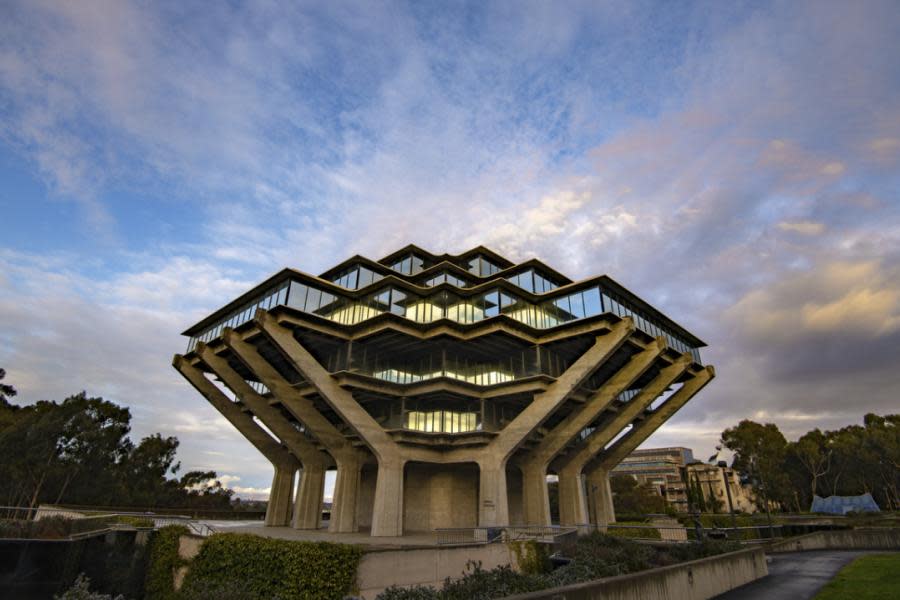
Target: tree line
78, 452
850, 461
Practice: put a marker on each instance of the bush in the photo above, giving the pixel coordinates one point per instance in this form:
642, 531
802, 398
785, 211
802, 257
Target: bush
646, 531
81, 590
531, 557
267, 568
47, 528
164, 559
419, 592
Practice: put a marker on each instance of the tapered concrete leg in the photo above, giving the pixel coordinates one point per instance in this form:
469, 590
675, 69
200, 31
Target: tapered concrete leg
535, 496
493, 507
572, 503
308, 505
278, 513
601, 499
346, 495
387, 512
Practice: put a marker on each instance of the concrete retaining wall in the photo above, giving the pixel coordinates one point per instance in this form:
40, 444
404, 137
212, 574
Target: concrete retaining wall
695, 580
846, 539
423, 566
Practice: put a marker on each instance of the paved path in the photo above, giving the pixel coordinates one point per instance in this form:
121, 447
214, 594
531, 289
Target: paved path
795, 575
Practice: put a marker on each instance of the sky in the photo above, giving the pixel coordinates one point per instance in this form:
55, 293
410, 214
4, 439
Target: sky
736, 164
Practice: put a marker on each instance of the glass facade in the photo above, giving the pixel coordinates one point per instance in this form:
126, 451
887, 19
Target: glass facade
411, 264
482, 267
357, 277
532, 281
446, 277
445, 305
442, 421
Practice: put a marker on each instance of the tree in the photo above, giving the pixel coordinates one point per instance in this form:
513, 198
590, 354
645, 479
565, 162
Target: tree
814, 455
630, 497
759, 452
6, 390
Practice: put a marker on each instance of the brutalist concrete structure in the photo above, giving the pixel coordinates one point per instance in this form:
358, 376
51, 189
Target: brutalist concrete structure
442, 388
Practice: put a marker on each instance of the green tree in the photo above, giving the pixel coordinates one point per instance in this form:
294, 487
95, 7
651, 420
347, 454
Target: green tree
630, 497
759, 452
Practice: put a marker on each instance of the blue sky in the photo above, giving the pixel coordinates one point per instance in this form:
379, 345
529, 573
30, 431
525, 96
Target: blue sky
736, 164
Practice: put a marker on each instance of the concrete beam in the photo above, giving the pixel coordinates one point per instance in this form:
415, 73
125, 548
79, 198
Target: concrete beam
244, 423
387, 515
309, 514
629, 442
534, 467
340, 448
573, 510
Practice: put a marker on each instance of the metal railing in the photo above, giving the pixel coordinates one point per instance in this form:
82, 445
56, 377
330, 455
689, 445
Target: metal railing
488, 535
25, 522
681, 533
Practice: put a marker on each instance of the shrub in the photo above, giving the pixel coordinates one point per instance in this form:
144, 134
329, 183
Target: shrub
81, 590
164, 559
419, 592
646, 531
268, 568
47, 528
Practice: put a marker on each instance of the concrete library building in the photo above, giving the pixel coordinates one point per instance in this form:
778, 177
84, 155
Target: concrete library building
443, 389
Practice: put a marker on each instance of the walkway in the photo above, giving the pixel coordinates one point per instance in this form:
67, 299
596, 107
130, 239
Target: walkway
795, 575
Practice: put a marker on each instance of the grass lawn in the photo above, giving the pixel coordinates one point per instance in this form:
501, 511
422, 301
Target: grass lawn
867, 577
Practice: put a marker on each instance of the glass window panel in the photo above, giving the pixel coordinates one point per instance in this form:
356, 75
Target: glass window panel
565, 311
297, 298
526, 281
365, 277
313, 300
351, 279
492, 304
397, 302
591, 300
282, 295
576, 302
418, 265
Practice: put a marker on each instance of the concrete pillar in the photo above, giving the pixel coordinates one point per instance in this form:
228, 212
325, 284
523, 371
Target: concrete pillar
346, 495
600, 498
278, 513
572, 503
387, 512
493, 503
308, 504
535, 496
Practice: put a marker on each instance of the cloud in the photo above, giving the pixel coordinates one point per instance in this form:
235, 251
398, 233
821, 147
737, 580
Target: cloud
803, 227
739, 171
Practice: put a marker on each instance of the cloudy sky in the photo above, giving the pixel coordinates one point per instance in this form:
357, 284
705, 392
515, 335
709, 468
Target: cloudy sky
736, 164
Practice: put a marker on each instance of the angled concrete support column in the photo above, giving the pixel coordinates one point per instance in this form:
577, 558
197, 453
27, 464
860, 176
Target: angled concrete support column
539, 458
308, 504
346, 457
601, 509
546, 402
346, 495
572, 502
572, 465
387, 515
387, 512
307, 514
629, 442
493, 502
278, 512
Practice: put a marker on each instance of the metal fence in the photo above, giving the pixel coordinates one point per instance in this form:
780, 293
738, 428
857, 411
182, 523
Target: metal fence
487, 535
681, 533
26, 522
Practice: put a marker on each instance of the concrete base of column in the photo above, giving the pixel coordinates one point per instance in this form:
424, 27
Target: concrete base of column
572, 503
601, 499
346, 494
535, 495
278, 512
308, 505
387, 512
493, 503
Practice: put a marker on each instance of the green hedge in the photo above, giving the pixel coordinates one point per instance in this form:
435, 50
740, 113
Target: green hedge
164, 560
645, 532
267, 568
